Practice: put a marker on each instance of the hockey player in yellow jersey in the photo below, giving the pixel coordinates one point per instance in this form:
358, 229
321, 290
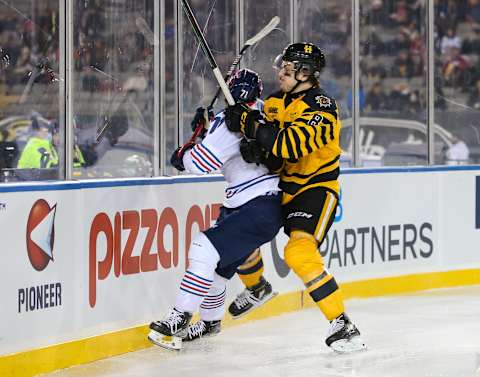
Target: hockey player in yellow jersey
301, 127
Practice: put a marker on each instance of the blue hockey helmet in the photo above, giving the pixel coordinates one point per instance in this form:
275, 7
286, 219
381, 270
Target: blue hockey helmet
245, 85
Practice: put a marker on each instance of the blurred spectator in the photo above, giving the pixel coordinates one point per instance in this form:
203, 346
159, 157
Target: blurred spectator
439, 103
474, 97
400, 42
458, 153
401, 15
361, 99
341, 61
23, 67
377, 99
455, 68
376, 72
450, 41
414, 106
90, 82
473, 11
377, 14
471, 45
40, 151
399, 97
403, 65
374, 44
446, 15
8, 151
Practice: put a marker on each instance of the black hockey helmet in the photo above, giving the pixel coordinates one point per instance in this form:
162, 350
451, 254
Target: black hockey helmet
245, 85
306, 57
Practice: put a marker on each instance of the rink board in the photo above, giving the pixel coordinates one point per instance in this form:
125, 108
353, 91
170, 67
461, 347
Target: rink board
88, 264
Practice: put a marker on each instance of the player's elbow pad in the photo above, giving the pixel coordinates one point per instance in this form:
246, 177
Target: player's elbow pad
266, 135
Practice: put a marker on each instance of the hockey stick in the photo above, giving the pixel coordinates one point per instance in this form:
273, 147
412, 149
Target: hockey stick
256, 38
267, 29
208, 52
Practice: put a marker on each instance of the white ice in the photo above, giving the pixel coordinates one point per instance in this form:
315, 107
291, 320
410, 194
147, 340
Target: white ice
429, 334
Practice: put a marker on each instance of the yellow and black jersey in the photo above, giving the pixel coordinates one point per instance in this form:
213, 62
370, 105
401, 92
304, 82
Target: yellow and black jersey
308, 140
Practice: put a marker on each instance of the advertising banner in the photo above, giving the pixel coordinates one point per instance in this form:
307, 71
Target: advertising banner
85, 259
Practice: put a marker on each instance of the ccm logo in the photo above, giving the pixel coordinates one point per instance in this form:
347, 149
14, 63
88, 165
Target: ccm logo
299, 214
156, 224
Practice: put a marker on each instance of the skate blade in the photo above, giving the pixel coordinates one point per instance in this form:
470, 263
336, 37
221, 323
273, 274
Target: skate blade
260, 303
354, 344
165, 341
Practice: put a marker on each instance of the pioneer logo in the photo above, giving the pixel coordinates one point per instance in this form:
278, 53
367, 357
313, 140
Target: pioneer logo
40, 235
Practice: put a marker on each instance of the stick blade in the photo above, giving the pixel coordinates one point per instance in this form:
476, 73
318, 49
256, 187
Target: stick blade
265, 31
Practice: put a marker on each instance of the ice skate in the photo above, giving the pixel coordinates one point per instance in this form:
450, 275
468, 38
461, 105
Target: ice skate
343, 336
168, 333
201, 329
251, 298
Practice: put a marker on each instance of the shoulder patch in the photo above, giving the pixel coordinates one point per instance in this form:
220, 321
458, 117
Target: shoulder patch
323, 101
318, 99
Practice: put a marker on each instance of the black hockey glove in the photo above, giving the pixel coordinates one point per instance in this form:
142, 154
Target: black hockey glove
241, 118
177, 157
252, 151
202, 117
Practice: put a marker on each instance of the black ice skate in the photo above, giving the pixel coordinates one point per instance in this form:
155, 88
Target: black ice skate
168, 333
343, 336
201, 329
251, 298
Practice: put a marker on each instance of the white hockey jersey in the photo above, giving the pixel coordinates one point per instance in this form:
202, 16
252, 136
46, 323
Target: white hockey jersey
220, 151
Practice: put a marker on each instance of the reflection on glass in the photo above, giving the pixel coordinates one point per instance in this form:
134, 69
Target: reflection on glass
260, 57
113, 89
393, 84
198, 84
328, 24
170, 61
29, 102
457, 80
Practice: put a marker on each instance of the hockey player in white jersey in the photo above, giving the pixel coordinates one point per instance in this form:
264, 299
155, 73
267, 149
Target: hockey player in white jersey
250, 216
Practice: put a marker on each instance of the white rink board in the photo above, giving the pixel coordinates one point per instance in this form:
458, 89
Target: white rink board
424, 221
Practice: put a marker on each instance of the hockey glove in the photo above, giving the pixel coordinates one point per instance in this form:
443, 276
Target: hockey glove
204, 117
177, 157
241, 118
252, 151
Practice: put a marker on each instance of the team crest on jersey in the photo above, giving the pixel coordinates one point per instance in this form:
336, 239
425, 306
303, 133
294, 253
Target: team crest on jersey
323, 101
272, 110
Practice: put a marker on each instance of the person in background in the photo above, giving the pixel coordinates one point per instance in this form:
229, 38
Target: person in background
458, 153
40, 151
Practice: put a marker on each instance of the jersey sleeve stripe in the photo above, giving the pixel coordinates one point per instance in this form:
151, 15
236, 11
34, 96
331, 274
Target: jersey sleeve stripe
251, 184
200, 169
246, 182
298, 143
204, 159
208, 153
201, 163
308, 139
323, 134
290, 153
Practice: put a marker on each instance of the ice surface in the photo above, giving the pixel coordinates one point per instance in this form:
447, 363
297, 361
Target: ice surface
430, 334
